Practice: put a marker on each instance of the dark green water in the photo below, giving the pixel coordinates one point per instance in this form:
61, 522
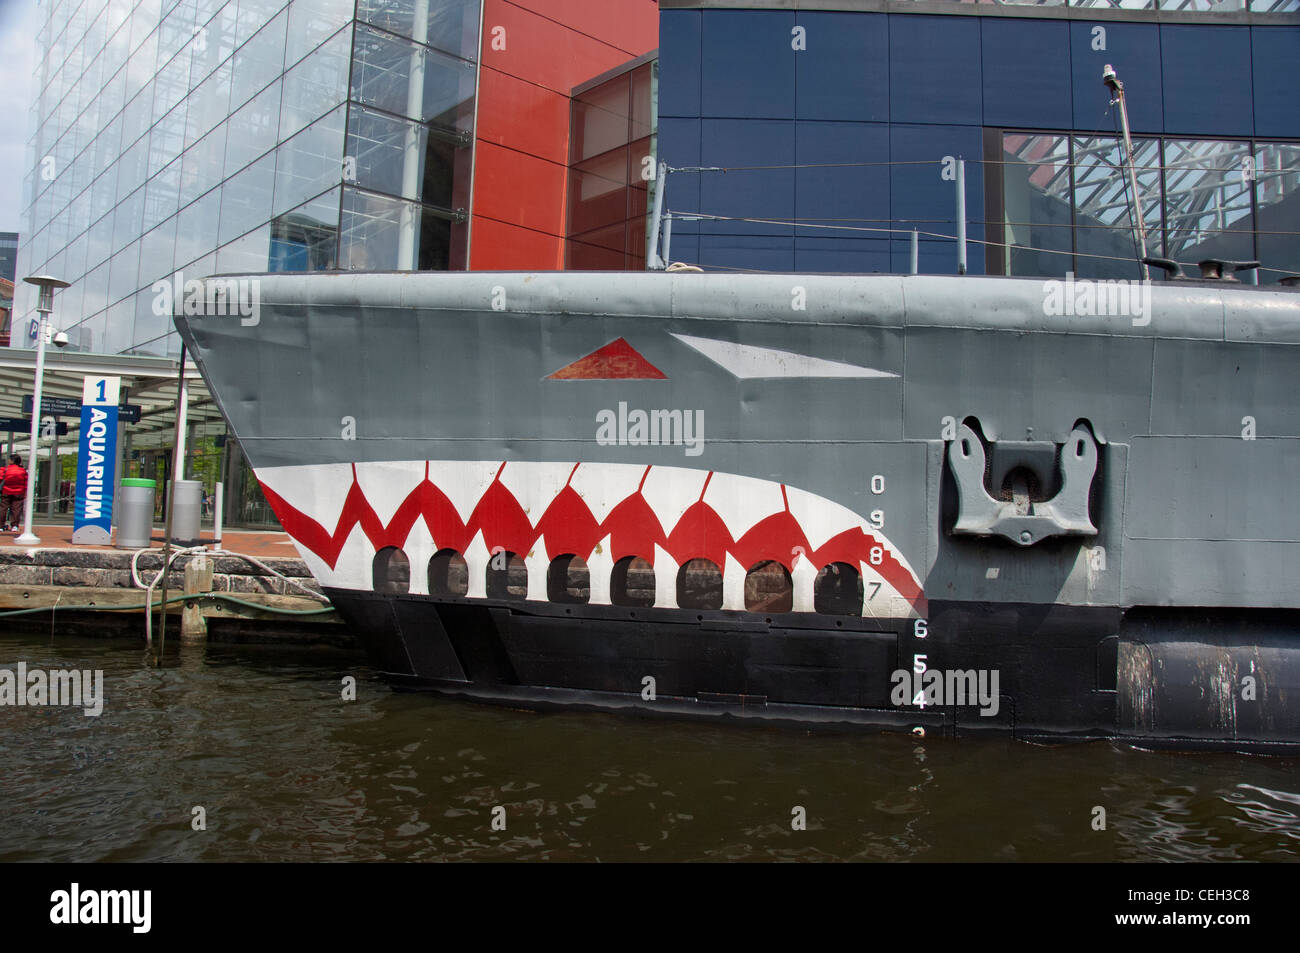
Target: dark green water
286, 770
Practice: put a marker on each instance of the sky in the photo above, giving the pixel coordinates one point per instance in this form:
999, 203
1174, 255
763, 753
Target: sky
18, 58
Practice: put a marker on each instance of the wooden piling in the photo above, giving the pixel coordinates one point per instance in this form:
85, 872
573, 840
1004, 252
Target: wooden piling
198, 579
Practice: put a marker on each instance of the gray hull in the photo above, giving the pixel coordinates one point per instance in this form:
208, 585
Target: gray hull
1094, 506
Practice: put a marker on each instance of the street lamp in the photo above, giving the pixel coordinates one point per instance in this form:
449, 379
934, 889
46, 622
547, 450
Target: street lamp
44, 307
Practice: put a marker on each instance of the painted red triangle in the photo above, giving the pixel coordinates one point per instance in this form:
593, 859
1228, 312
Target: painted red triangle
615, 360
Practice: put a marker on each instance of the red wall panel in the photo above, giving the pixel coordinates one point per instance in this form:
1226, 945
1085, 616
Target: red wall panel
502, 247
522, 146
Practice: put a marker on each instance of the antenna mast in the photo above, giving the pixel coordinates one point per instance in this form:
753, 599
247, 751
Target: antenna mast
1139, 220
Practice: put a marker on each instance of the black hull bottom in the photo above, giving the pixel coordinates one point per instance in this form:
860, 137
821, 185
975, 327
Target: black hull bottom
1155, 678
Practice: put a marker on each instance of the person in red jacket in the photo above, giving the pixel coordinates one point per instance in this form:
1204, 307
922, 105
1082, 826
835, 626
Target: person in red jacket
13, 493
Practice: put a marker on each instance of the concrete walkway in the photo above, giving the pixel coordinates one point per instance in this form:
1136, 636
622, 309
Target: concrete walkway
257, 543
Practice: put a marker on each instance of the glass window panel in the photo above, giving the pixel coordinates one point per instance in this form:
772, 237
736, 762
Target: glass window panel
1277, 199
600, 118
1035, 205
117, 326
259, 61
203, 165
133, 168
316, 85
157, 253
176, 29
643, 107
246, 199
381, 78
208, 105
171, 84
252, 130
252, 15
249, 253
310, 162
95, 290
311, 23
141, 65
196, 232
148, 327
306, 238
108, 144
1103, 200
1207, 200
162, 195
598, 192
123, 270
406, 159
136, 117
447, 25
385, 234
167, 139
128, 218
100, 241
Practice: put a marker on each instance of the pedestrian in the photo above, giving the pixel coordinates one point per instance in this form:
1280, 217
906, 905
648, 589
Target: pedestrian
13, 493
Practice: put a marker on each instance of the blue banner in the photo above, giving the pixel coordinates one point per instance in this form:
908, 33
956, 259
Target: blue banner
96, 461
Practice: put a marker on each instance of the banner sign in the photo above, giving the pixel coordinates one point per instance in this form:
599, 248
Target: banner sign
96, 461
67, 407
24, 425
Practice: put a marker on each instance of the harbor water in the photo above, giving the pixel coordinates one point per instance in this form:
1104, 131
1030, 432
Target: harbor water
284, 767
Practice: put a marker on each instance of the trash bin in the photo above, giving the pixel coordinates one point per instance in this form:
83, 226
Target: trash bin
187, 508
135, 514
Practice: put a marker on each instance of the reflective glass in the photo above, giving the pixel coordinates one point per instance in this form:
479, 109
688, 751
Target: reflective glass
600, 118
208, 105
162, 195
136, 117
316, 85
157, 253
447, 25
259, 61
118, 325
167, 139
128, 218
1035, 205
310, 162
203, 165
311, 23
381, 78
148, 327
306, 238
249, 253
1207, 200
404, 158
95, 290
252, 129
123, 270
100, 242
383, 234
1277, 200
252, 15
1103, 199
196, 232
246, 199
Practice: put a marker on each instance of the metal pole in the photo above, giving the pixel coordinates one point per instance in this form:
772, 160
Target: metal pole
178, 462
28, 538
961, 216
54, 470
652, 261
1139, 219
220, 494
668, 238
916, 252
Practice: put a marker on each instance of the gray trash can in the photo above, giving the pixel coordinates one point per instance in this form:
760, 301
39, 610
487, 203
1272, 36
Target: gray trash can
135, 514
187, 508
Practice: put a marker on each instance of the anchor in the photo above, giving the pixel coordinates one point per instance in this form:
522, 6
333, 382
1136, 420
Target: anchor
1022, 520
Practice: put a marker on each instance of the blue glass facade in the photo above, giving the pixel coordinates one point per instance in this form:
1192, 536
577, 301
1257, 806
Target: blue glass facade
865, 106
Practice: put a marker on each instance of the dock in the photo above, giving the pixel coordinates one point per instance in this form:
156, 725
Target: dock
254, 588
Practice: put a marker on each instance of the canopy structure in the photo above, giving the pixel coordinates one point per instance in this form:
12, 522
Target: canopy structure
146, 380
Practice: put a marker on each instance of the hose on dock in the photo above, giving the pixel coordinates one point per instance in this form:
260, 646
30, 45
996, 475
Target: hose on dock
194, 551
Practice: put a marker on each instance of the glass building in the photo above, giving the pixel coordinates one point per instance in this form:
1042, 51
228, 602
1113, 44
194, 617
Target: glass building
837, 127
